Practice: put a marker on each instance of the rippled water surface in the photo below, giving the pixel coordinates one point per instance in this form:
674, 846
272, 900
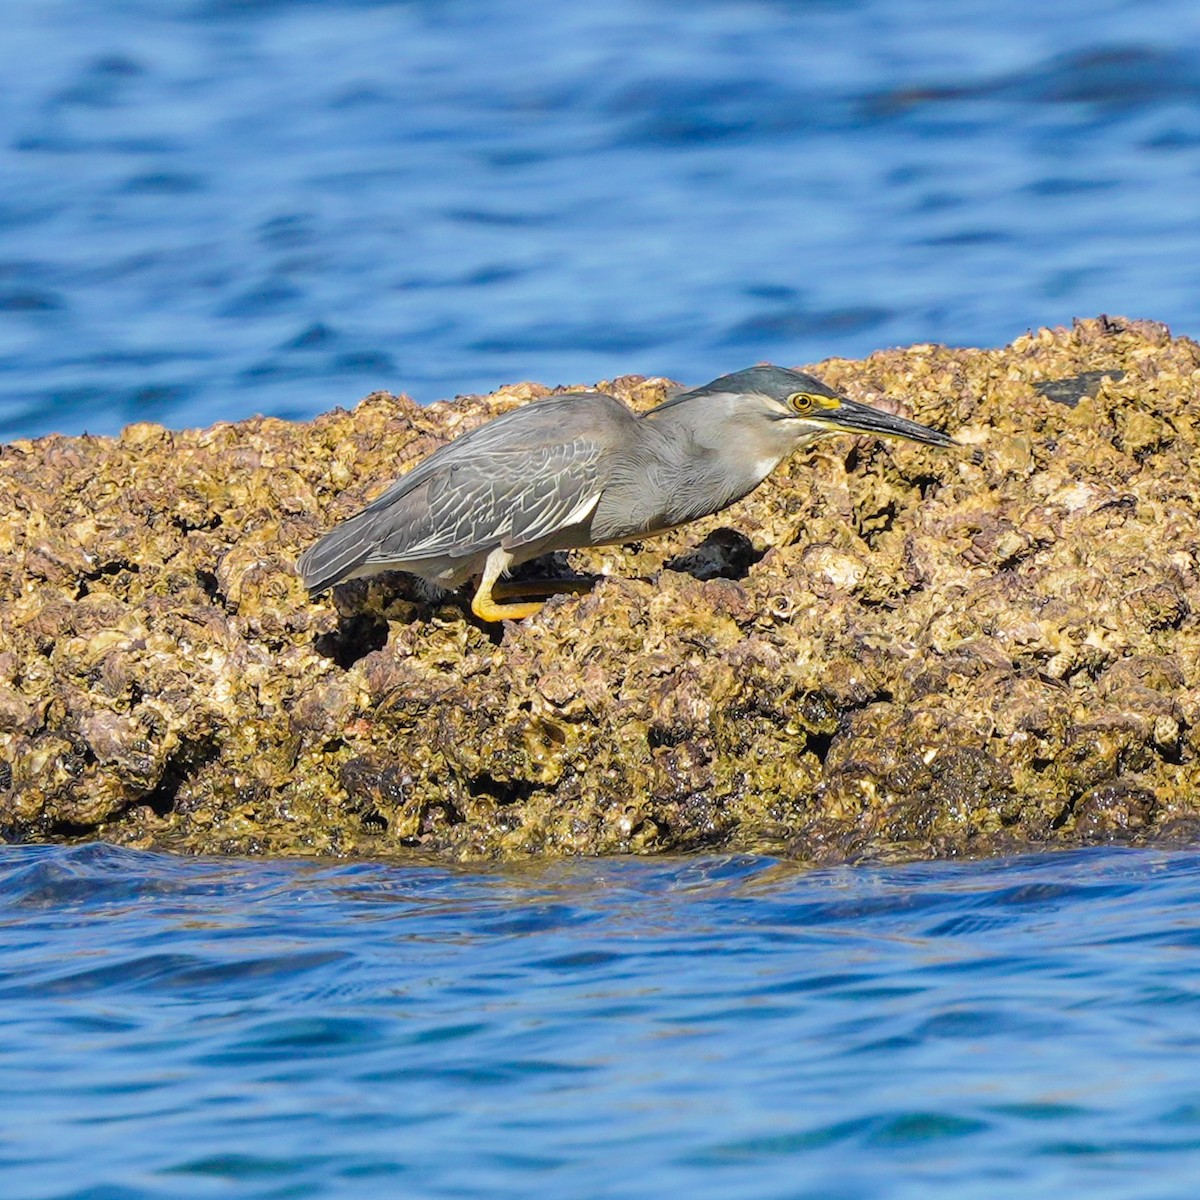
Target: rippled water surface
215, 207
707, 1028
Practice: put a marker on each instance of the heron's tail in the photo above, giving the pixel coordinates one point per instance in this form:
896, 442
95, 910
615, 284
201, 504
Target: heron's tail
338, 555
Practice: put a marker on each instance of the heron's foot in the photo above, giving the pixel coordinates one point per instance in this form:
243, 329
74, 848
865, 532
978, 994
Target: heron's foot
486, 609
485, 605
490, 602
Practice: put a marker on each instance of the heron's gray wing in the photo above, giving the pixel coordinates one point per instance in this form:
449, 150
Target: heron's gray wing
554, 421
509, 482
510, 498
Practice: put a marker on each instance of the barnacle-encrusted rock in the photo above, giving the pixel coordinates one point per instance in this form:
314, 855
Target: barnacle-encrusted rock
887, 649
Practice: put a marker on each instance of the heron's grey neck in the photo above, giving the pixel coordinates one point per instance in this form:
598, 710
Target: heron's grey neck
693, 459
746, 441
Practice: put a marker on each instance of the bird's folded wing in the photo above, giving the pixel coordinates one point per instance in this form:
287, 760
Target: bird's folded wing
508, 498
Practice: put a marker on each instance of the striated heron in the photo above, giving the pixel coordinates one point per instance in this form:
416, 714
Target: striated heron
581, 469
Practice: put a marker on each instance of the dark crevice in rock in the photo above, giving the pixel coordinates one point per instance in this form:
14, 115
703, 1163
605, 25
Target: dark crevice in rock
724, 554
926, 484
1173, 754
68, 831
503, 791
186, 763
819, 744
209, 584
188, 526
1065, 813
115, 567
439, 813
354, 638
881, 522
657, 737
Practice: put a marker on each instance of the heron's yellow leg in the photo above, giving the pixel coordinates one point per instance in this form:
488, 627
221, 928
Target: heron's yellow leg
487, 609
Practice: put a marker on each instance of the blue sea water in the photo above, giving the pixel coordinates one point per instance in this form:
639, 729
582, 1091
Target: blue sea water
211, 208
707, 1028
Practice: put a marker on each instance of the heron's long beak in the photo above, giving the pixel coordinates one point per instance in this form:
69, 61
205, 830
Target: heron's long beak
852, 417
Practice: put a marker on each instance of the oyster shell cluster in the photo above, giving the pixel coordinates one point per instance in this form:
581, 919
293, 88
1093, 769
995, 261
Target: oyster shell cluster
916, 652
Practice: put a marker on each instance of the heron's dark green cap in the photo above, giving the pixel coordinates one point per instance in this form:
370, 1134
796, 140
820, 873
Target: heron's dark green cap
804, 397
766, 380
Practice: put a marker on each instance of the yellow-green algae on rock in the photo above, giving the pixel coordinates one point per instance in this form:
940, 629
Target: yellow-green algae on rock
926, 652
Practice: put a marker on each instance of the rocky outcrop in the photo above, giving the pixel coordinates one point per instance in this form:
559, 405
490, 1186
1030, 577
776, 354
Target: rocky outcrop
887, 649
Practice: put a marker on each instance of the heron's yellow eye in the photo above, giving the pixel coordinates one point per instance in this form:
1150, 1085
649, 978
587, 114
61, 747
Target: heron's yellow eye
801, 403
